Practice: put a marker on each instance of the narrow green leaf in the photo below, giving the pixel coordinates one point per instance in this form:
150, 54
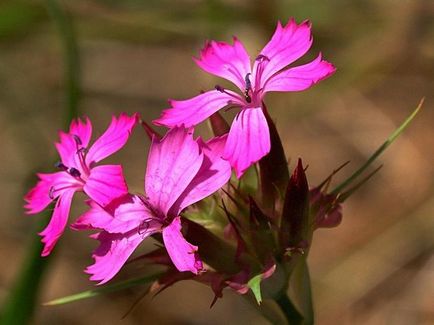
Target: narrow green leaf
255, 285
379, 151
106, 289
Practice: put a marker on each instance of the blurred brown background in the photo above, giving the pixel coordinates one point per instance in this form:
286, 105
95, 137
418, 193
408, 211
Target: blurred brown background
377, 267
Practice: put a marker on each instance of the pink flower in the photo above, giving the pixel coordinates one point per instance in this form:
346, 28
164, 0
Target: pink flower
180, 172
249, 138
79, 173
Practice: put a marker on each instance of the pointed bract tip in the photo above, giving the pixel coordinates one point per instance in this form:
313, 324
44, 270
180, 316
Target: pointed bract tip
150, 132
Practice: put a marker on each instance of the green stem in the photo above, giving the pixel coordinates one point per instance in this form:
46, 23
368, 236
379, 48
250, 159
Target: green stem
71, 59
291, 313
20, 305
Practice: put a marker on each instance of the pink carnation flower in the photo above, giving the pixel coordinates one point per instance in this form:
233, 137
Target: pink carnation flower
78, 172
249, 138
180, 172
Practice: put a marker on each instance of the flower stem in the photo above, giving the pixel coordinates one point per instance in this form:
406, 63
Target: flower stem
291, 313
20, 304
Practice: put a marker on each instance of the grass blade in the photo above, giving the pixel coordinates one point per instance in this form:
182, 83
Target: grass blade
379, 151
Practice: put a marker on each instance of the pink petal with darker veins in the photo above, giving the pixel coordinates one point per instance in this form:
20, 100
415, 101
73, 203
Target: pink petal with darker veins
120, 216
301, 77
231, 62
53, 184
113, 139
172, 163
50, 235
248, 140
78, 136
288, 44
195, 110
213, 174
182, 253
105, 183
112, 253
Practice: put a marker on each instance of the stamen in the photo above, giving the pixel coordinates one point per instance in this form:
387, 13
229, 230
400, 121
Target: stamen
219, 88
61, 166
247, 80
144, 226
77, 139
51, 192
262, 57
248, 88
259, 70
81, 150
74, 172
222, 90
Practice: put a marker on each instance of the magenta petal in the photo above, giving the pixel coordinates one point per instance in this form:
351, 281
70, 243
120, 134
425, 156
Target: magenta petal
288, 44
48, 188
82, 130
213, 174
120, 216
195, 110
105, 183
113, 139
182, 253
227, 61
248, 140
301, 77
78, 136
172, 164
111, 254
51, 234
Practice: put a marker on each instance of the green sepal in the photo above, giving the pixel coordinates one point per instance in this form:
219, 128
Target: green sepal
255, 285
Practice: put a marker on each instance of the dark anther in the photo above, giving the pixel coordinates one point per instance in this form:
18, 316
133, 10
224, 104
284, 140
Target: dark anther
219, 88
247, 80
60, 165
262, 57
74, 172
248, 88
143, 227
81, 150
247, 96
51, 193
77, 139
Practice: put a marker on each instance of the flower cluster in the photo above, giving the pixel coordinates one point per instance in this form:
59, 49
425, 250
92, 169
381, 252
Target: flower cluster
182, 171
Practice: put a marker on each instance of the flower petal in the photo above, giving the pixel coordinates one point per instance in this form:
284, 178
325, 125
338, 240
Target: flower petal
120, 216
301, 77
193, 111
105, 183
227, 61
82, 130
78, 137
51, 234
248, 140
288, 44
113, 139
112, 253
213, 174
172, 164
182, 253
47, 189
